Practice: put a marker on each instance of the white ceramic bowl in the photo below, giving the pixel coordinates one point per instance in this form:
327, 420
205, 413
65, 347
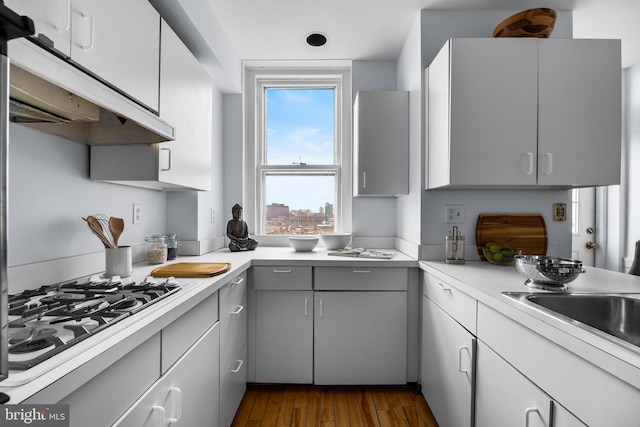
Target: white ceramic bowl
303, 243
333, 241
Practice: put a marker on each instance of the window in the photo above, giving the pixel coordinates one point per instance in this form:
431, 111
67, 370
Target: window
297, 153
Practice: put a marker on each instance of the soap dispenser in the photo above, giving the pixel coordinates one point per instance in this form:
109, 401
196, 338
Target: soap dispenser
454, 245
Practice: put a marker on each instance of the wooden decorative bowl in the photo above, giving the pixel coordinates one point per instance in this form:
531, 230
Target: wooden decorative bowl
528, 23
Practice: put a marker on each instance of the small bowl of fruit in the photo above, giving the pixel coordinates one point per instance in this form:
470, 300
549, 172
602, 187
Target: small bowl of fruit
499, 254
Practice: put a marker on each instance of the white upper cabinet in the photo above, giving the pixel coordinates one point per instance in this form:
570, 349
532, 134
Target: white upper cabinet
117, 40
185, 103
524, 112
52, 19
381, 143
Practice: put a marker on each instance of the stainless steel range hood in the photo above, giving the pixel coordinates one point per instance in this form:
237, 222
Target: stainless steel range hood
53, 96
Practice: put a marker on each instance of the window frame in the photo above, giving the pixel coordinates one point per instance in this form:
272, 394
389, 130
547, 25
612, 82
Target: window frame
257, 79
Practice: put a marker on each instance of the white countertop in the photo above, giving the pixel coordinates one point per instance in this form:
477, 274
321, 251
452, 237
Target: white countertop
480, 280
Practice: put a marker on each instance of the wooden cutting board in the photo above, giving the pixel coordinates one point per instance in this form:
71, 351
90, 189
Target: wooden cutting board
191, 269
527, 232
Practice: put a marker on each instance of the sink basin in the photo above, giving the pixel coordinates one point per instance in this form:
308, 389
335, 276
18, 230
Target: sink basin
615, 315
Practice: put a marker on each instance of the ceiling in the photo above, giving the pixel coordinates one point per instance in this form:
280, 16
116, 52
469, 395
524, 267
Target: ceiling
377, 29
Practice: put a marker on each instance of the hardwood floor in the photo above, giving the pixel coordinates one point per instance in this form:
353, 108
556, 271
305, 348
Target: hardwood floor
335, 406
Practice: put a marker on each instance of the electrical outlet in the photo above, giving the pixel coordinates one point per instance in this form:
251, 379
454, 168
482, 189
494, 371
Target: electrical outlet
559, 211
213, 216
137, 213
454, 214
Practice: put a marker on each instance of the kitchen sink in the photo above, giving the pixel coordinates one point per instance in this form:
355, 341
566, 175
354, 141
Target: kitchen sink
615, 315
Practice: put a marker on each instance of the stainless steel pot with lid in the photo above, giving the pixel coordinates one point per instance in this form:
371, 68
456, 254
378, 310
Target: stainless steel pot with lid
546, 272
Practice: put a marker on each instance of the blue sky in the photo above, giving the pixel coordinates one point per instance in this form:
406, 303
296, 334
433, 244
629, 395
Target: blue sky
300, 128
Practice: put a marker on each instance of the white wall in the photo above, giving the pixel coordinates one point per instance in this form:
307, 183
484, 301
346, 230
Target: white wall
50, 191
410, 79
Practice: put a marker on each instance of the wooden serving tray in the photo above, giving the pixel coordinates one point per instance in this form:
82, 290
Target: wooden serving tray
527, 232
191, 269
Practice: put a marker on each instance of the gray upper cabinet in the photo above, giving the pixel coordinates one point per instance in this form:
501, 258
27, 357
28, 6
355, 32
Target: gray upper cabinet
524, 113
381, 143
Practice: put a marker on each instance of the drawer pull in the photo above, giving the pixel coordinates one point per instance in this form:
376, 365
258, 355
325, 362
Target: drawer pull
443, 287
158, 411
361, 271
175, 391
238, 364
237, 280
237, 309
282, 270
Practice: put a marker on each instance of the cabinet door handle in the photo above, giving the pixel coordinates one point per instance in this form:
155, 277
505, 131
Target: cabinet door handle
237, 280
306, 307
91, 33
159, 413
282, 270
527, 163
548, 163
168, 168
237, 309
443, 287
460, 368
321, 309
67, 24
177, 400
526, 415
238, 364
364, 180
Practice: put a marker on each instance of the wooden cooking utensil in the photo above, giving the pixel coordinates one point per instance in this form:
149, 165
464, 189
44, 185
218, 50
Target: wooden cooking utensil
96, 228
116, 226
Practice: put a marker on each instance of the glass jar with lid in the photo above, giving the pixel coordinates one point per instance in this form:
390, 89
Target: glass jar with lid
172, 246
156, 249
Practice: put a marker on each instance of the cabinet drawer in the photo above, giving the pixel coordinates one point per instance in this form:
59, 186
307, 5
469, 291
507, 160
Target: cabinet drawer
181, 334
232, 293
232, 387
281, 278
361, 279
233, 321
457, 304
115, 388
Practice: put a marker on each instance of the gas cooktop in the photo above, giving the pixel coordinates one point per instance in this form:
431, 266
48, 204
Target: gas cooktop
46, 321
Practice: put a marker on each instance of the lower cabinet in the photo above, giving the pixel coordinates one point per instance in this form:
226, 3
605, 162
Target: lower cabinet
360, 337
505, 397
448, 367
233, 348
330, 325
284, 336
187, 394
284, 324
